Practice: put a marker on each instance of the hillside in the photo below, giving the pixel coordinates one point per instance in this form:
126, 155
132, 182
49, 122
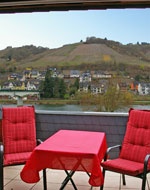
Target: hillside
94, 52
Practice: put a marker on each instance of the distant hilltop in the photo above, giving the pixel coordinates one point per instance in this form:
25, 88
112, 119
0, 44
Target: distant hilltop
93, 52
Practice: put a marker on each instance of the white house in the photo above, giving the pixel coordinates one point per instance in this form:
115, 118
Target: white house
85, 77
30, 86
101, 75
99, 88
144, 88
34, 74
74, 74
8, 85
84, 86
96, 89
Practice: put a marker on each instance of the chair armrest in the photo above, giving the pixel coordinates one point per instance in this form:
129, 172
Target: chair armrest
1, 165
38, 141
109, 149
1, 155
146, 163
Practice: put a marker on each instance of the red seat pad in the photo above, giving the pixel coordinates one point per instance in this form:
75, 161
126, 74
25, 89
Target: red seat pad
18, 133
123, 166
136, 144
135, 147
17, 158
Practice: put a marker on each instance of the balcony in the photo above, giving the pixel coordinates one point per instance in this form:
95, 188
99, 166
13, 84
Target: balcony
12, 181
48, 122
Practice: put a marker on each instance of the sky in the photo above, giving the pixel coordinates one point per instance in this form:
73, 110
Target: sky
55, 29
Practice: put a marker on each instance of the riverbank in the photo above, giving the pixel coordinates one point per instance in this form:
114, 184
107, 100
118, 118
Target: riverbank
141, 100
138, 100
43, 101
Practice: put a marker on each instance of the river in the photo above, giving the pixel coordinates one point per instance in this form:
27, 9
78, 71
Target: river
68, 107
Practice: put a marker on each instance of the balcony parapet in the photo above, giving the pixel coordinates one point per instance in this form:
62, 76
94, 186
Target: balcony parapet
110, 114
112, 124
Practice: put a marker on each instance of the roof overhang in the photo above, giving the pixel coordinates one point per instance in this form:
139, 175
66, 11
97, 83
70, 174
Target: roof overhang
9, 6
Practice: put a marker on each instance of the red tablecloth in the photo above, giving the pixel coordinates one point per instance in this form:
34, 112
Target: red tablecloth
68, 150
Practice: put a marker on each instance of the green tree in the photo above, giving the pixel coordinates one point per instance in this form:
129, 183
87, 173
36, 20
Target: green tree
111, 99
138, 77
76, 84
62, 88
72, 91
48, 86
52, 87
126, 98
109, 102
56, 87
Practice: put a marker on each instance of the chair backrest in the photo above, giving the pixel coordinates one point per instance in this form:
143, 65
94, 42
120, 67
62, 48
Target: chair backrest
18, 129
136, 144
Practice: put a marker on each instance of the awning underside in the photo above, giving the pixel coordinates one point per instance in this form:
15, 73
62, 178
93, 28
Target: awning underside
9, 6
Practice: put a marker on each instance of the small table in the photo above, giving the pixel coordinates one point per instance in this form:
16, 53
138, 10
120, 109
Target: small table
68, 150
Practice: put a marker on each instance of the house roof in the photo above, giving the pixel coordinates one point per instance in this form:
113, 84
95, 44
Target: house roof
74, 72
16, 6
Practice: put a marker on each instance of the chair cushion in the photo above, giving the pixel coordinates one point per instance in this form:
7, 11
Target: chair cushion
16, 158
18, 132
136, 144
124, 166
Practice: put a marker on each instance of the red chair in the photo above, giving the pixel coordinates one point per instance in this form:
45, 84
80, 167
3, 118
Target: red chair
135, 151
18, 138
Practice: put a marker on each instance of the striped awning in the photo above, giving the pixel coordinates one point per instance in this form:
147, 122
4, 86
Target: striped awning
9, 6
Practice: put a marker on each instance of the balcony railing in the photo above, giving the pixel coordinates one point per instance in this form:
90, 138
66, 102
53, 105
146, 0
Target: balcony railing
113, 124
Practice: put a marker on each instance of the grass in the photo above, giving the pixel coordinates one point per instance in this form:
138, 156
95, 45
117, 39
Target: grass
42, 101
141, 103
138, 100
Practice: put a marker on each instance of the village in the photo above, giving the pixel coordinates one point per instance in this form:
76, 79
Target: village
95, 82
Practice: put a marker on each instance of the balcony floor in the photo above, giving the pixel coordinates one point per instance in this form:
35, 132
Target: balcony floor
12, 181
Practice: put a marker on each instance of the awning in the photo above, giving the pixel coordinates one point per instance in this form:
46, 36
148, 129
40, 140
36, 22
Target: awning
9, 6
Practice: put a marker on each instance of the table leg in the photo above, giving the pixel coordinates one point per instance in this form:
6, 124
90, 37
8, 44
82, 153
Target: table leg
69, 175
44, 179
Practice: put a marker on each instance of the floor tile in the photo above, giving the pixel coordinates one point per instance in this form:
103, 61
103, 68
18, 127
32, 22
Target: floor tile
12, 181
10, 173
18, 185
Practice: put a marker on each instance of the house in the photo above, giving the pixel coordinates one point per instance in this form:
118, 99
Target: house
15, 85
30, 85
21, 77
100, 87
74, 74
52, 69
12, 76
123, 86
85, 77
54, 74
96, 88
84, 86
27, 74
34, 74
144, 88
42, 75
66, 74
101, 75
60, 74
18, 85
134, 86
16, 76
8, 85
